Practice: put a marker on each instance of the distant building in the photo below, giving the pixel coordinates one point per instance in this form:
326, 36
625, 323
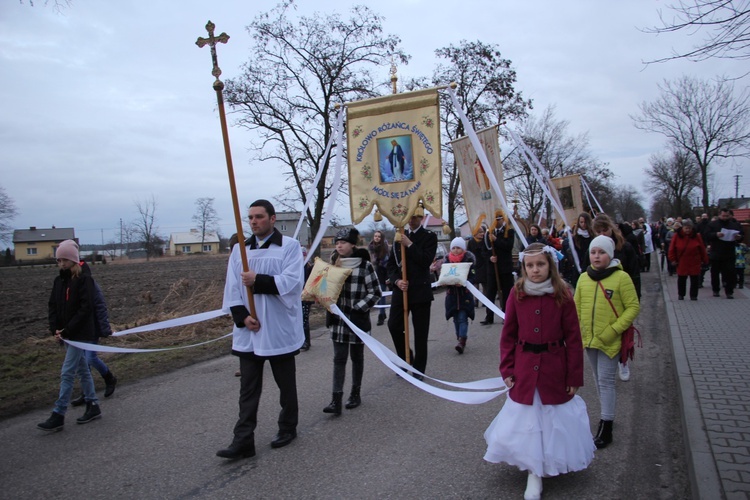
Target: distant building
435, 224
286, 223
735, 203
190, 242
39, 243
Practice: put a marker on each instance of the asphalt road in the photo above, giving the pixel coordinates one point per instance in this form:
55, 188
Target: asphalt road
158, 437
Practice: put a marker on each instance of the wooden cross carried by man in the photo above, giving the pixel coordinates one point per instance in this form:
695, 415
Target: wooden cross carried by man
218, 85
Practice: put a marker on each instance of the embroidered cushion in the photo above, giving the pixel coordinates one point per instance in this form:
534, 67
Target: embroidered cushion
325, 283
454, 274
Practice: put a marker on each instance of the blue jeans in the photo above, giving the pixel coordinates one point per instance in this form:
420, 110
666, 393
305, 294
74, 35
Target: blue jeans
75, 363
461, 322
604, 369
93, 360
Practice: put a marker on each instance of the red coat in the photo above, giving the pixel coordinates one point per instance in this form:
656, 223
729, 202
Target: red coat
689, 252
539, 320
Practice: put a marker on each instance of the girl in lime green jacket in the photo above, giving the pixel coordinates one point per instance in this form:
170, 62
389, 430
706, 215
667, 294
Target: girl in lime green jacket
601, 329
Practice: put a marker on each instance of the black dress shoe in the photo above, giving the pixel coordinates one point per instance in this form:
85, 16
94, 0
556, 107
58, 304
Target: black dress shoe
486, 322
283, 438
233, 452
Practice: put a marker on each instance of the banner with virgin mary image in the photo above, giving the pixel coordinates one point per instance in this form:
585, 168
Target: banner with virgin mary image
479, 199
393, 145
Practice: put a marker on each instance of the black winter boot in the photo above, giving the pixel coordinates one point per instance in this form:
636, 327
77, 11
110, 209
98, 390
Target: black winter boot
111, 381
54, 423
335, 405
92, 413
354, 399
604, 435
78, 401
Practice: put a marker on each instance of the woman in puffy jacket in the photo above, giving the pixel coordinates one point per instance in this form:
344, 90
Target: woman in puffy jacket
686, 253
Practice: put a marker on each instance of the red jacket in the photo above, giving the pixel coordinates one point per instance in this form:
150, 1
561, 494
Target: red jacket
539, 320
689, 252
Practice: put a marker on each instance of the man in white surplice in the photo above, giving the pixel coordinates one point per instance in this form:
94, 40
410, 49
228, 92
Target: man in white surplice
276, 277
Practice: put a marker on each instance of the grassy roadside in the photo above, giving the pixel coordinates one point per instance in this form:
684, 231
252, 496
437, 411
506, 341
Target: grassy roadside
30, 369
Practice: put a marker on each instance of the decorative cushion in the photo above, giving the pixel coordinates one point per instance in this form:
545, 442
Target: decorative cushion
454, 274
325, 283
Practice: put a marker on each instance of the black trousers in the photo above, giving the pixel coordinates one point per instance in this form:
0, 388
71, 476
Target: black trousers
251, 386
694, 283
342, 350
420, 319
506, 285
723, 270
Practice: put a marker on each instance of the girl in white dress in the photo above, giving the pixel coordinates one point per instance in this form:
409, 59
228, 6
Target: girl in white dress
543, 427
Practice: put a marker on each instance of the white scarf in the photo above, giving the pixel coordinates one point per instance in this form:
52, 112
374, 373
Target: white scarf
543, 288
349, 262
583, 232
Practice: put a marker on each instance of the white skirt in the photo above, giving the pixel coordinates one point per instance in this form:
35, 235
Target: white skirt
544, 439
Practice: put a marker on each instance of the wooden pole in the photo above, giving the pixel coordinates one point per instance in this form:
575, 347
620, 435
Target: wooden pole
218, 86
405, 294
407, 352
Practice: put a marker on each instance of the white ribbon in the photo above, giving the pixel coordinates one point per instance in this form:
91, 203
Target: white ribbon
339, 134
318, 175
170, 323
479, 150
537, 170
587, 190
484, 300
483, 388
104, 348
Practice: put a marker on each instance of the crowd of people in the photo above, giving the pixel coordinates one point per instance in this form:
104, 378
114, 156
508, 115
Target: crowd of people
574, 298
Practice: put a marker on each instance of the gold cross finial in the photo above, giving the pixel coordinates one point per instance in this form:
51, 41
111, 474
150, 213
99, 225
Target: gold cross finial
211, 41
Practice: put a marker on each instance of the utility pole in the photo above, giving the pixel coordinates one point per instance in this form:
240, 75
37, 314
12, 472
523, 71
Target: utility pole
737, 185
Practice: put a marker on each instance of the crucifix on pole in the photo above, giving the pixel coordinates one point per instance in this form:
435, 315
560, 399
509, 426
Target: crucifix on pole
218, 85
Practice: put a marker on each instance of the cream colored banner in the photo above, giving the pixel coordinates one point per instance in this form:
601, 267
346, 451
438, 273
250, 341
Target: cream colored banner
479, 200
568, 190
393, 145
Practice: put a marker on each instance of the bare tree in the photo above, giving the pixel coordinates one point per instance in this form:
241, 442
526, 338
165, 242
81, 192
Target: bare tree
725, 24
298, 71
60, 5
705, 119
560, 154
626, 204
7, 212
205, 217
674, 177
486, 93
145, 226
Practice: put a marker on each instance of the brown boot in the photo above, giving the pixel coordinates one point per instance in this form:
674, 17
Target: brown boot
461, 345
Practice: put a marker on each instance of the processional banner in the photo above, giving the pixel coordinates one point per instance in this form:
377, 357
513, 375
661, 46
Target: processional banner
568, 191
394, 156
479, 199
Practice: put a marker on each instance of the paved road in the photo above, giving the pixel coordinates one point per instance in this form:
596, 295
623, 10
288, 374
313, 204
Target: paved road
158, 437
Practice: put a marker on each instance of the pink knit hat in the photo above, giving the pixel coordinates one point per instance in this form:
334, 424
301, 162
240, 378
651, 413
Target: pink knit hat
68, 249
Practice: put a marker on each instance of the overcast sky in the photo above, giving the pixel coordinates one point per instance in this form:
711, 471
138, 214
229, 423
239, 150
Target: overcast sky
107, 103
